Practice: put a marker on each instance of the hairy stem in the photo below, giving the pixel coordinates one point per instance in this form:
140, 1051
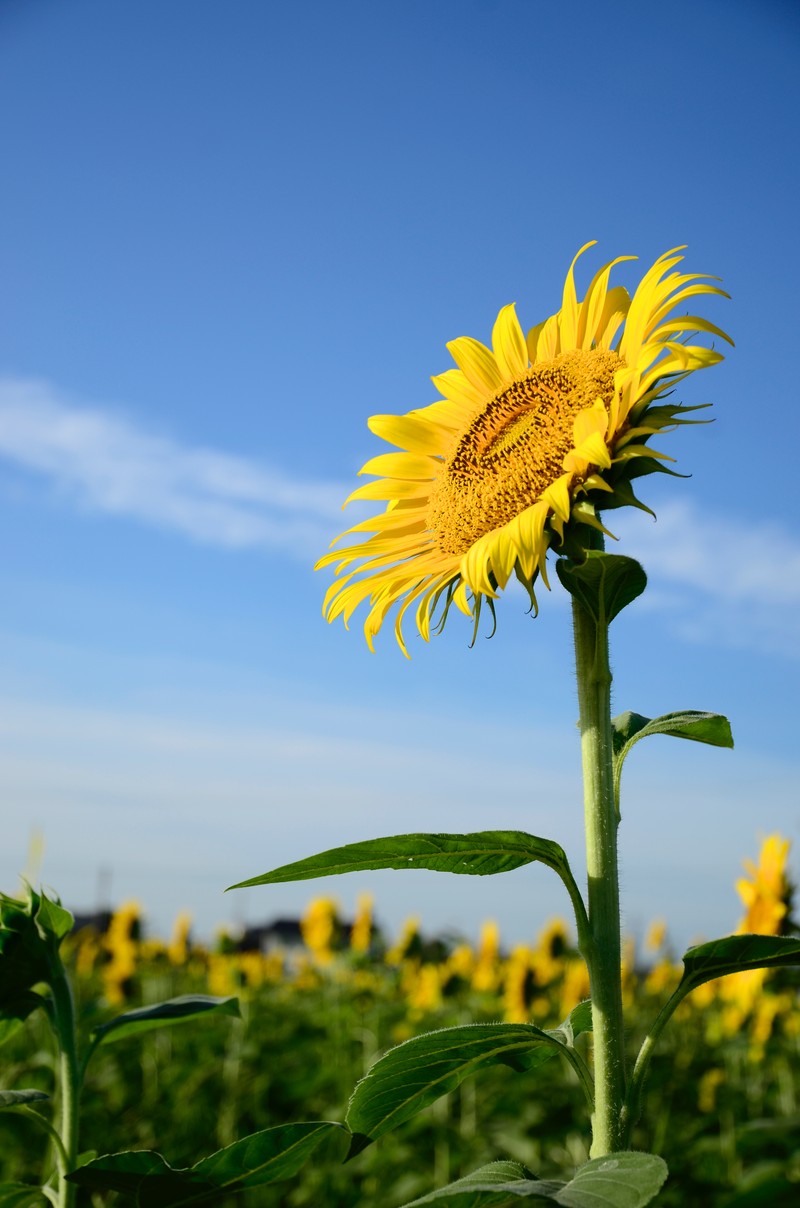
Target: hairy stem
602, 952
69, 1082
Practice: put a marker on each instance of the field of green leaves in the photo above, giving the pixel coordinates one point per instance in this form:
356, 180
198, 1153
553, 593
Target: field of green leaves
723, 1100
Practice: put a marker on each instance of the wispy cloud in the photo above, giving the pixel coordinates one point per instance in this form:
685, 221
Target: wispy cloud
723, 579
104, 462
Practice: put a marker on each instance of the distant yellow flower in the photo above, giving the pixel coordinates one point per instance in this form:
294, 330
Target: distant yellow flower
707, 1090
460, 963
531, 439
178, 950
574, 986
361, 931
656, 936
122, 944
664, 974
407, 941
765, 893
765, 896
319, 926
551, 945
486, 972
422, 985
521, 988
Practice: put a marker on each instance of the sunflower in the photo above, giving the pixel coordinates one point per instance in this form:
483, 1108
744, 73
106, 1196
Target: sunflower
531, 439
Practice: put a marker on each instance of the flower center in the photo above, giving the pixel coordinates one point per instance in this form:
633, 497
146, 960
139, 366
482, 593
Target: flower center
514, 449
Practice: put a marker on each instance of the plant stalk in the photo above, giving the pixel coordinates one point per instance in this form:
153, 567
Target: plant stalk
603, 955
69, 1082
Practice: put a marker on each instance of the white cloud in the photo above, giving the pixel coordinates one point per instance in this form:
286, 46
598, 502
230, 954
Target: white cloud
105, 463
723, 579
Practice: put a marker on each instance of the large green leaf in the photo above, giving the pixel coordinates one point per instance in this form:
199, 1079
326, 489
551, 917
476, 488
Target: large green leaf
417, 1072
162, 1014
18, 1195
622, 1180
147, 1180
735, 954
476, 854
711, 728
604, 583
20, 1098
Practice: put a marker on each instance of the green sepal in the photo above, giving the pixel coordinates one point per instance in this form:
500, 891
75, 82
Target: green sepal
419, 1071
624, 496
161, 1015
477, 854
621, 1180
263, 1157
603, 583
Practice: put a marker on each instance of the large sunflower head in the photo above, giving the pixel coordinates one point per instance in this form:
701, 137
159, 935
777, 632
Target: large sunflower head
531, 439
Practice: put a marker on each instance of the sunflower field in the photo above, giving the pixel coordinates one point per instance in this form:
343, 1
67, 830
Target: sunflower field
315, 1012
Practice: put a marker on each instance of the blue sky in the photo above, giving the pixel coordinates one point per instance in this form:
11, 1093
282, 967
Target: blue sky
232, 232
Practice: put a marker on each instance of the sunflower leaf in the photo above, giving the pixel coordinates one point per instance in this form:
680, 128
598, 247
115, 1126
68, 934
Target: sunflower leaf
263, 1157
735, 954
711, 728
477, 854
621, 1180
419, 1071
162, 1014
603, 584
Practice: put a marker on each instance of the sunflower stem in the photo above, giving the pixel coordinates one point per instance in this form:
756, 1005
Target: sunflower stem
64, 1022
602, 950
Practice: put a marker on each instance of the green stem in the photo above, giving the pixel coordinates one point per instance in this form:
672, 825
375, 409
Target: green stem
602, 951
633, 1104
583, 1072
69, 1081
61, 1155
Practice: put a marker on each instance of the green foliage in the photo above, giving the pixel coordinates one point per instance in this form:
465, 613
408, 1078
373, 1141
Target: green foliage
629, 728
301, 1046
415, 1074
147, 1181
735, 954
711, 728
31, 931
163, 1014
17, 1195
625, 1180
477, 854
603, 583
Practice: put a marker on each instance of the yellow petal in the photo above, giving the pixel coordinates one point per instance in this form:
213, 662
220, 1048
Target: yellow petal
568, 317
407, 432
549, 342
591, 419
477, 364
593, 307
592, 451
458, 389
387, 488
557, 496
402, 465
509, 346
